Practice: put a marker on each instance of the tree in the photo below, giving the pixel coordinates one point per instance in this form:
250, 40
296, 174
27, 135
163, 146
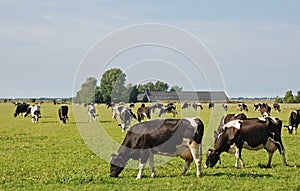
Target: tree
87, 92
113, 85
288, 98
175, 88
160, 86
297, 97
278, 99
98, 95
132, 92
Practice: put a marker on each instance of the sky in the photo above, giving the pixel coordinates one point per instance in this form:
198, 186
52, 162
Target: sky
256, 44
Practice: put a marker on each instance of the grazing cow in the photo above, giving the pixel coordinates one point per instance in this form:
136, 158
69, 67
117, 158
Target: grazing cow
143, 112
294, 121
242, 107
185, 105
63, 113
252, 134
126, 116
108, 105
35, 112
265, 110
131, 105
211, 105
225, 106
92, 112
21, 108
169, 108
168, 137
225, 119
196, 106
156, 106
276, 107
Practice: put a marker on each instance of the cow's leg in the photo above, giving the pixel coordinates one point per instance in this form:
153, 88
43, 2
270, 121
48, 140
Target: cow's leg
238, 157
270, 155
143, 160
151, 164
196, 150
186, 167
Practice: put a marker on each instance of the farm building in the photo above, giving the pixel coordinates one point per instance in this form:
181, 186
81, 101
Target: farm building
203, 96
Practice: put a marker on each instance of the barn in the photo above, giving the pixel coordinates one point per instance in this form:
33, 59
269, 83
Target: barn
202, 96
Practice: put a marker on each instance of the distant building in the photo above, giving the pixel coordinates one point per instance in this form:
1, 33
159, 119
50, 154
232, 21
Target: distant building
202, 96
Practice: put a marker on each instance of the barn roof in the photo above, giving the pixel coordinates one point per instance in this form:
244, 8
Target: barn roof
206, 96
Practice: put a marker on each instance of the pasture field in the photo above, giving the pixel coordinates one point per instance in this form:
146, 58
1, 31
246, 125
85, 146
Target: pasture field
50, 155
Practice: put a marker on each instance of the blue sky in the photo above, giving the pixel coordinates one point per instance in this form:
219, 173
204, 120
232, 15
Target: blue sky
255, 43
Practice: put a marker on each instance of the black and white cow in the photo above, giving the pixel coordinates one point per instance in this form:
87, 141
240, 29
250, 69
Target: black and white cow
168, 137
35, 112
169, 108
242, 107
265, 110
225, 106
155, 106
276, 107
92, 112
63, 113
126, 116
143, 112
225, 119
211, 105
185, 105
196, 106
252, 134
21, 108
294, 121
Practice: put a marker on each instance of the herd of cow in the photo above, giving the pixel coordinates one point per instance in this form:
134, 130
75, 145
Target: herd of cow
183, 137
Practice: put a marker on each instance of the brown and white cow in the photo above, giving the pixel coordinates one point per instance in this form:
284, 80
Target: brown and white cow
168, 137
143, 112
252, 134
294, 121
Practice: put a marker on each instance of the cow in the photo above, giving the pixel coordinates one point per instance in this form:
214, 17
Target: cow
63, 113
225, 106
211, 105
196, 106
276, 107
131, 105
242, 107
294, 121
169, 108
21, 108
34, 111
185, 105
116, 111
143, 112
225, 119
126, 116
167, 137
252, 134
155, 106
265, 110
92, 112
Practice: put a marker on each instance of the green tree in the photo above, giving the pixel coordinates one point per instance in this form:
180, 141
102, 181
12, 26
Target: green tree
87, 92
98, 95
297, 97
288, 98
176, 88
132, 92
278, 99
160, 86
113, 85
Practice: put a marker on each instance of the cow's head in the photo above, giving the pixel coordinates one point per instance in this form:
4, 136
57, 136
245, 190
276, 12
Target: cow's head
212, 158
116, 165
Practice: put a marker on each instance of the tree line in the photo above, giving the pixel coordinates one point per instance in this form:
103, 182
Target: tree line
113, 88
289, 97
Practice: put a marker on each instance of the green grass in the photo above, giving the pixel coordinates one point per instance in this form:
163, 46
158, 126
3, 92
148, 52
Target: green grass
53, 156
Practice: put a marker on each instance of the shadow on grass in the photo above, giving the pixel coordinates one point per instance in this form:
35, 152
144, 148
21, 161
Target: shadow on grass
240, 175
